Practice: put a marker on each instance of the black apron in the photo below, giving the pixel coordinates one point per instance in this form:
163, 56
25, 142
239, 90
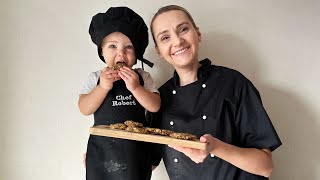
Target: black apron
112, 158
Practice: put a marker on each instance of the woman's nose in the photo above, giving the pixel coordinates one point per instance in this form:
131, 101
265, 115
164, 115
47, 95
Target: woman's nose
177, 40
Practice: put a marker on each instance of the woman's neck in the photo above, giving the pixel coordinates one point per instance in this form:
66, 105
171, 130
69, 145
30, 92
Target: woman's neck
188, 75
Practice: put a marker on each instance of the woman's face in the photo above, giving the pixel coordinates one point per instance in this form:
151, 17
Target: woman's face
176, 38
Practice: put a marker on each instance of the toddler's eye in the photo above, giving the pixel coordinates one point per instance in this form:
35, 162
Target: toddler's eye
112, 46
129, 47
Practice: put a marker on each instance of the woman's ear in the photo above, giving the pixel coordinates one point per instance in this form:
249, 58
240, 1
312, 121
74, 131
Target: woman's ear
158, 51
199, 35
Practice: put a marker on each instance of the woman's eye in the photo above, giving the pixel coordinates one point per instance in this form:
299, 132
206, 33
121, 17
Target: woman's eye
112, 46
184, 29
165, 38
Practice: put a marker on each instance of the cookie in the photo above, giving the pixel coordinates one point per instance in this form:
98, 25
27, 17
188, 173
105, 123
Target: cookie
118, 65
118, 126
162, 132
137, 130
185, 136
166, 132
153, 130
133, 124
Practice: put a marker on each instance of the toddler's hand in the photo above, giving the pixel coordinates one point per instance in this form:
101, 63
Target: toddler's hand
130, 77
107, 77
84, 156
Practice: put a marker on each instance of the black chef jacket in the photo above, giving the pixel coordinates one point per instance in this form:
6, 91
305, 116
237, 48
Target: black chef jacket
118, 159
223, 103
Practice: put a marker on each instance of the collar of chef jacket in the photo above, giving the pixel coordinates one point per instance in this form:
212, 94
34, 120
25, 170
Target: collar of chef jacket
203, 71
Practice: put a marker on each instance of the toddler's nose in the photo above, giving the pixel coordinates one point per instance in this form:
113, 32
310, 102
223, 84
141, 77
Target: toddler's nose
121, 53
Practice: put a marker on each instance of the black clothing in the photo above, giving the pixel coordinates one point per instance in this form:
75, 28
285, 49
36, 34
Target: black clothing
118, 159
223, 103
124, 20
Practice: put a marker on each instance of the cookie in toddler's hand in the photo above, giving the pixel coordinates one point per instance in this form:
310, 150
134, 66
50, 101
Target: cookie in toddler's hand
118, 65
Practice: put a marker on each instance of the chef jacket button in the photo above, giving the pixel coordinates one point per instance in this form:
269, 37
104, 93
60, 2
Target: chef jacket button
212, 155
176, 160
204, 117
171, 123
204, 85
174, 92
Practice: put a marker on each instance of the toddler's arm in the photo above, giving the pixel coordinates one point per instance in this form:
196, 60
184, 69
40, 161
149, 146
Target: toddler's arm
149, 100
89, 103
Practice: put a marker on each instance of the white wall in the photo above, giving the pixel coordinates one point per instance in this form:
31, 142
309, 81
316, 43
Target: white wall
46, 53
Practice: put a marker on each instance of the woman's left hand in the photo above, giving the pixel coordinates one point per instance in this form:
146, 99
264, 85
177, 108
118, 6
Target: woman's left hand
130, 77
197, 155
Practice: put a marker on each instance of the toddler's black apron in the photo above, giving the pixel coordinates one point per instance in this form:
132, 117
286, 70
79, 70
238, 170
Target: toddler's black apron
112, 158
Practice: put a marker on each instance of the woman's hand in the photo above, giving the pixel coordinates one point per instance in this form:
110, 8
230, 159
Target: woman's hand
107, 77
197, 155
252, 160
130, 77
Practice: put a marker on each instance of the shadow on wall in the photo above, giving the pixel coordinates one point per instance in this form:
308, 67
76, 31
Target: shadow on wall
6, 56
297, 158
162, 71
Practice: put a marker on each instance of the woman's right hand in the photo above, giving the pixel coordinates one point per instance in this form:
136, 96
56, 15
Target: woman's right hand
107, 77
197, 155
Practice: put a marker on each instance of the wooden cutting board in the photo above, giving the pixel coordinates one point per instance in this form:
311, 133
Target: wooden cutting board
103, 130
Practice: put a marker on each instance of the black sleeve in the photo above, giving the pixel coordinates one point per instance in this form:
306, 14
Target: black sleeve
253, 124
156, 149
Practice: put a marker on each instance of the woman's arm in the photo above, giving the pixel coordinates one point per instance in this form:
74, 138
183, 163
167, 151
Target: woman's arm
252, 160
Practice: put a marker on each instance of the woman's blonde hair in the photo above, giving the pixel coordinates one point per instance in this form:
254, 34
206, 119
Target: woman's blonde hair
171, 8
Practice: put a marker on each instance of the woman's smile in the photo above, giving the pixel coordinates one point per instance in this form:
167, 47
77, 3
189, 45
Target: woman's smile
181, 51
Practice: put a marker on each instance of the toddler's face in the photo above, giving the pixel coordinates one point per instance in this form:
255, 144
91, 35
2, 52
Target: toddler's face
117, 47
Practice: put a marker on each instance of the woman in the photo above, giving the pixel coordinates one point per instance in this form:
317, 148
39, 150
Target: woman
217, 104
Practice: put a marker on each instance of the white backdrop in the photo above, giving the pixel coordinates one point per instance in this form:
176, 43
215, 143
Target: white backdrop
46, 54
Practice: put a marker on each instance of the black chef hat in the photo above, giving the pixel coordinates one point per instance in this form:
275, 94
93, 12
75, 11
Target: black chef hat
124, 20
